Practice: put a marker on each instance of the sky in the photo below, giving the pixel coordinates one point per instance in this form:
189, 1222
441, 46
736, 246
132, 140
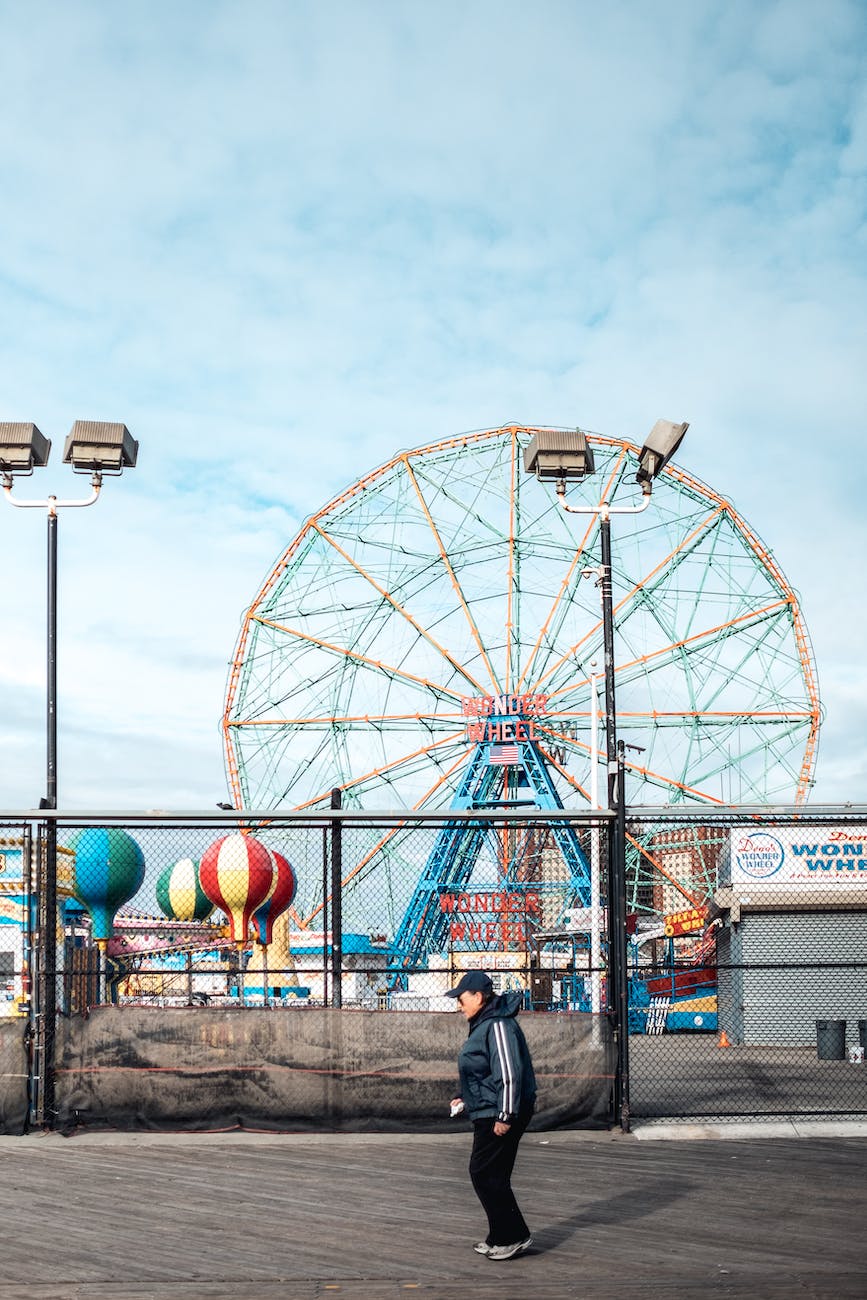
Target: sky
282, 241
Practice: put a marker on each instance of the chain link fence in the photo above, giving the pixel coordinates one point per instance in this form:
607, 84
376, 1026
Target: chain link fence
347, 911
746, 953
748, 980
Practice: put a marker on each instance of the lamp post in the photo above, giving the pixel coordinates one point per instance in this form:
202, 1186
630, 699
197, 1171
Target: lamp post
595, 945
558, 456
97, 448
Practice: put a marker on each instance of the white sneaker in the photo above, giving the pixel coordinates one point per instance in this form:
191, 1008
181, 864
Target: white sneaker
509, 1252
482, 1248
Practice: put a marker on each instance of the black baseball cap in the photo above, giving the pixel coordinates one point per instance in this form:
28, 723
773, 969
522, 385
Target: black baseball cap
475, 981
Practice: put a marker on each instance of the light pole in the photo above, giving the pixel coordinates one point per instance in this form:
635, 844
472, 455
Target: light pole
558, 455
96, 448
595, 944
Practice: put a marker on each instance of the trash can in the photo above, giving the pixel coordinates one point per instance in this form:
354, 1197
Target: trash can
831, 1040
862, 1034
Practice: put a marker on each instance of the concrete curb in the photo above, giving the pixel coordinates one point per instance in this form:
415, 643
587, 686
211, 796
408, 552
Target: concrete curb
683, 1131
641, 1131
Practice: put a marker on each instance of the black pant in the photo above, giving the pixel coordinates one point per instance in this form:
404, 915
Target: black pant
491, 1164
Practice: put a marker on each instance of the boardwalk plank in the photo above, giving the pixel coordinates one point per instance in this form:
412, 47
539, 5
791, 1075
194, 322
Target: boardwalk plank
174, 1218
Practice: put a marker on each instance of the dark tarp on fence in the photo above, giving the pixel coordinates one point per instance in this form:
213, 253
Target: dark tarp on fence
306, 1068
13, 1075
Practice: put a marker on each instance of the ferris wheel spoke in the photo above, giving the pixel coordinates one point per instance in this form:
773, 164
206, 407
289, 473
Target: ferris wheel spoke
470, 514
639, 589
656, 778
362, 721
387, 771
552, 759
707, 637
712, 636
663, 576
286, 736
669, 783
560, 608
355, 656
802, 643
399, 609
389, 835
752, 655
368, 857
692, 899
474, 631
666, 568
560, 604
559, 742
482, 536
710, 717
745, 753
273, 751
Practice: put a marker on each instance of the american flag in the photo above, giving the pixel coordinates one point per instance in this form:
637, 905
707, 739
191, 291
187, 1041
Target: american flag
504, 755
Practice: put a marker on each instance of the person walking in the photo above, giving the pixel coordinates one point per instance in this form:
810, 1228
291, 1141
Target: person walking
498, 1092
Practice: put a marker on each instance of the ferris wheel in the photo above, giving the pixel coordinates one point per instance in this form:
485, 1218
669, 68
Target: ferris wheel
447, 578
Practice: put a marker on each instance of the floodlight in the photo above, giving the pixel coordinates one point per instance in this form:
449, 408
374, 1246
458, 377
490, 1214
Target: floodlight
22, 447
558, 454
659, 447
96, 447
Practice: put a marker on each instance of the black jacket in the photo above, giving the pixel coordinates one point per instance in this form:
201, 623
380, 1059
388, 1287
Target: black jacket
496, 1071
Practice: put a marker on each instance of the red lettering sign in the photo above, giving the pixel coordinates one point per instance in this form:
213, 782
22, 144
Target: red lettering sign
492, 901
497, 934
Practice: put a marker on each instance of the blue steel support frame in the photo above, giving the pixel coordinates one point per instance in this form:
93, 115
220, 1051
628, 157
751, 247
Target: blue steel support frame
425, 925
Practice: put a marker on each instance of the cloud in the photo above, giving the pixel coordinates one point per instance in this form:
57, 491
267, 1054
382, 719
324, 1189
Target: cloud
283, 242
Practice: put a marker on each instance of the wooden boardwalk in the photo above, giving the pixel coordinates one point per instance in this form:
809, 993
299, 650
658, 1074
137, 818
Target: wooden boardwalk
369, 1217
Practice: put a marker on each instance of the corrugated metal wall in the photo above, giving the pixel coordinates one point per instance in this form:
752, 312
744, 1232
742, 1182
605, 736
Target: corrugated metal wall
781, 972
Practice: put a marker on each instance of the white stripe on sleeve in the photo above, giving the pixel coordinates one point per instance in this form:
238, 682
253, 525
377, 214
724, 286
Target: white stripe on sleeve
507, 1069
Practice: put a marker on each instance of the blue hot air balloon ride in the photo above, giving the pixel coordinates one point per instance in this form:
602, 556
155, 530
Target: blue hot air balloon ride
109, 870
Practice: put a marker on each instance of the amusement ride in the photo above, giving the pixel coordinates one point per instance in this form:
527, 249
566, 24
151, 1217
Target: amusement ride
428, 641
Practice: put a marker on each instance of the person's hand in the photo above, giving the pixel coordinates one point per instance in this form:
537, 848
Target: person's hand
501, 1129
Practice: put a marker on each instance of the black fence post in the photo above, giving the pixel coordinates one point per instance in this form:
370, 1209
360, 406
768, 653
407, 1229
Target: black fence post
45, 989
49, 881
49, 1000
30, 868
336, 903
622, 957
611, 981
325, 870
